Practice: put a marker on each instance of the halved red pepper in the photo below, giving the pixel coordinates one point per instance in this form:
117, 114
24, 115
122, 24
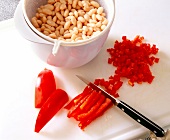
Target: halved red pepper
44, 87
53, 104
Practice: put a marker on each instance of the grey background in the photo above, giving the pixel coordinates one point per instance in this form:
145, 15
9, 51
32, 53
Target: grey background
7, 9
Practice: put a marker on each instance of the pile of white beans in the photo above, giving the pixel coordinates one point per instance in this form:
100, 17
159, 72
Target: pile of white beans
70, 20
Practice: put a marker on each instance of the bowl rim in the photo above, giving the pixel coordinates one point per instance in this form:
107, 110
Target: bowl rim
64, 43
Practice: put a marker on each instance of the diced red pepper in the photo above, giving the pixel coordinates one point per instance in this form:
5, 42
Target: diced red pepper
132, 59
44, 87
111, 85
52, 105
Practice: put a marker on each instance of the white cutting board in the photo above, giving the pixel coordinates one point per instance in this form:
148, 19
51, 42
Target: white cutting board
20, 67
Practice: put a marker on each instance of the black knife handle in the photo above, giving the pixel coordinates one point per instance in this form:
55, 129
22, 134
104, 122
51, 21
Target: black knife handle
159, 132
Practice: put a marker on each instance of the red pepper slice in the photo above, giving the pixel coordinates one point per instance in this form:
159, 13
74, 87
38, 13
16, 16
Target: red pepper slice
103, 107
84, 116
94, 99
76, 109
44, 87
53, 104
76, 99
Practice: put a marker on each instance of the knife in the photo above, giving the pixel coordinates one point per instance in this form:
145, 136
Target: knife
141, 119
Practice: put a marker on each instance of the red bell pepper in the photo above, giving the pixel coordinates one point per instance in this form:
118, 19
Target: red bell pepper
53, 104
44, 87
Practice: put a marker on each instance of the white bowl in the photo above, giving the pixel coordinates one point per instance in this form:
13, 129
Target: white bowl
71, 54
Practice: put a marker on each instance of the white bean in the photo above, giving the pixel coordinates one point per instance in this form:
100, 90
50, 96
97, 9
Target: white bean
95, 4
90, 31
81, 19
76, 14
96, 29
98, 24
52, 35
57, 6
42, 15
73, 20
105, 21
61, 31
63, 6
81, 12
85, 28
54, 18
51, 1
59, 16
79, 24
63, 1
92, 11
71, 14
67, 35
80, 3
69, 7
99, 17
70, 1
73, 37
39, 22
86, 17
46, 32
91, 25
67, 25
83, 32
57, 33
49, 6
74, 4
100, 10
75, 30
103, 27
49, 17
34, 22
47, 11
62, 23
51, 22
94, 17
78, 38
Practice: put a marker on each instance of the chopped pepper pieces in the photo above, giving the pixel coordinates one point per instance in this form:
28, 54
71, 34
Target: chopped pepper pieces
133, 59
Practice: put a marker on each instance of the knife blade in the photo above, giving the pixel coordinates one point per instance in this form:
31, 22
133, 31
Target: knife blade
138, 117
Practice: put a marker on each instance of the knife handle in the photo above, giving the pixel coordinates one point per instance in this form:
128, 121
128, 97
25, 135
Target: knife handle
159, 132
